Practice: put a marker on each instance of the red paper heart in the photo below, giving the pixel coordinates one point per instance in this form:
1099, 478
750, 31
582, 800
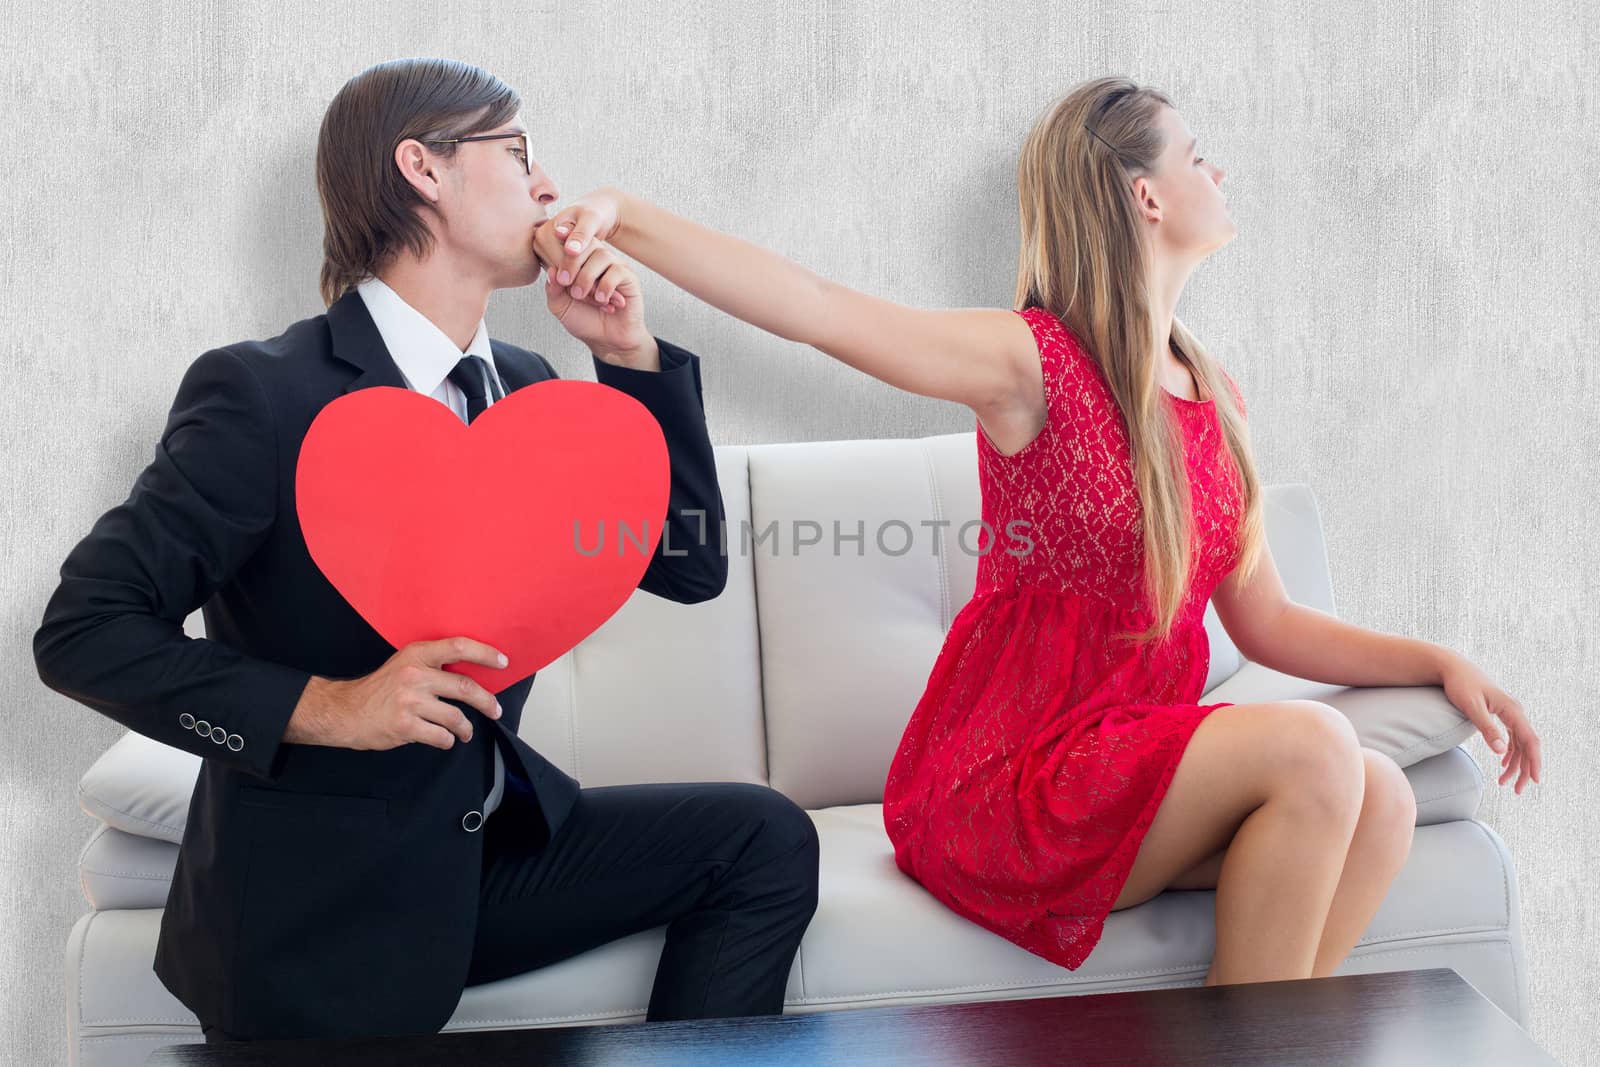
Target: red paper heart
431, 528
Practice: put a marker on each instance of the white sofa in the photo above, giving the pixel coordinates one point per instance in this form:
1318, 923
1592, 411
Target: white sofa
801, 675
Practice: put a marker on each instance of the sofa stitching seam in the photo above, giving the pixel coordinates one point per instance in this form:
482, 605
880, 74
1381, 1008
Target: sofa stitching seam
84, 794
944, 560
1032, 981
1432, 739
125, 874
1447, 795
1505, 906
83, 950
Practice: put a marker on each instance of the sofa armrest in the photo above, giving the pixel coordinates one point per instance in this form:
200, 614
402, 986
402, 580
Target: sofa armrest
1408, 723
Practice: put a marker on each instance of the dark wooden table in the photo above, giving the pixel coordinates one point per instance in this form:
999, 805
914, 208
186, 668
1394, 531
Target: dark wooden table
1403, 1018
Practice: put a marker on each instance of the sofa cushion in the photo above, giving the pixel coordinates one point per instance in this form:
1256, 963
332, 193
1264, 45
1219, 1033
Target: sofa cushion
878, 938
141, 786
123, 870
1447, 787
848, 635
118, 869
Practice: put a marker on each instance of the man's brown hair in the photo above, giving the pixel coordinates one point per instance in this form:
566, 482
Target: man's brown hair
369, 210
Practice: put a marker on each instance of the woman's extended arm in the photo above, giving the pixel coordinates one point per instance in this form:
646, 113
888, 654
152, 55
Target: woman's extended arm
984, 358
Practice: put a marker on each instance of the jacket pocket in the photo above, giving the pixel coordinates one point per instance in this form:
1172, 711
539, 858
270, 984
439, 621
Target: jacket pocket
313, 803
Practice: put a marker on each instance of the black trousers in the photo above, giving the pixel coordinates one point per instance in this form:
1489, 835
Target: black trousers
730, 868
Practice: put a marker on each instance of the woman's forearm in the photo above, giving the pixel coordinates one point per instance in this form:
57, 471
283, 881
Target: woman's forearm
984, 358
745, 280
1308, 643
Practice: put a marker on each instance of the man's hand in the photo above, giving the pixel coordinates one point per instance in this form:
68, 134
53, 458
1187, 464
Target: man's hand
595, 295
399, 702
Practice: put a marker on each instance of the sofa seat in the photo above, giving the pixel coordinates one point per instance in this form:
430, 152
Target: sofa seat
879, 938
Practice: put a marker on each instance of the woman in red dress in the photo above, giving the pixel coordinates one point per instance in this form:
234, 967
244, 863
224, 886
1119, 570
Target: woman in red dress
1059, 765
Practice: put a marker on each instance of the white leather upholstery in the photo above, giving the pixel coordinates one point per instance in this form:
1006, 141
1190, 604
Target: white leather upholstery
847, 640
802, 675
118, 869
877, 939
662, 692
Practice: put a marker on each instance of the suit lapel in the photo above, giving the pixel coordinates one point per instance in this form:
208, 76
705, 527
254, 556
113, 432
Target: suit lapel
515, 368
356, 341
511, 372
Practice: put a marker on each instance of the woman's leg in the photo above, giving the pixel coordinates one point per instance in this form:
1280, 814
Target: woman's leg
1276, 788
1378, 850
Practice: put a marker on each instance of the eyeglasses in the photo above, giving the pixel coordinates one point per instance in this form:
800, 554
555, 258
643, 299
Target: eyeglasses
527, 144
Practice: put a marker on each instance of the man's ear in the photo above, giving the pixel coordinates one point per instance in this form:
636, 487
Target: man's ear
419, 167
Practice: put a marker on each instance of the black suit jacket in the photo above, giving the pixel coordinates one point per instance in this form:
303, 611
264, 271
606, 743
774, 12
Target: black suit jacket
319, 891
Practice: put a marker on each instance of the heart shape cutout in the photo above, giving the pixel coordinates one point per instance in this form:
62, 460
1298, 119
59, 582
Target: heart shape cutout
509, 531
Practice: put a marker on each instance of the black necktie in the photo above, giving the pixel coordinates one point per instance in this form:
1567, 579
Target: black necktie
469, 375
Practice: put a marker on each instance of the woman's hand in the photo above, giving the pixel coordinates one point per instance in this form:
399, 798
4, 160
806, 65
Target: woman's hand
590, 218
1480, 700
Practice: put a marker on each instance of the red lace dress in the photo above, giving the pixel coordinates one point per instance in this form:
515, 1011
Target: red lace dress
1036, 759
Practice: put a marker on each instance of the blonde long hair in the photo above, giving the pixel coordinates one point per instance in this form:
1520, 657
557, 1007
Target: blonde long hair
1085, 258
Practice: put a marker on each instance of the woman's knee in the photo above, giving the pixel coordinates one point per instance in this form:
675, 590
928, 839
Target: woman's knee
1322, 761
1388, 801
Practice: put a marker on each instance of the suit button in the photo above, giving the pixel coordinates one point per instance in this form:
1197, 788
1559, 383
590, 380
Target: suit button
219, 735
186, 721
235, 742
202, 728
471, 821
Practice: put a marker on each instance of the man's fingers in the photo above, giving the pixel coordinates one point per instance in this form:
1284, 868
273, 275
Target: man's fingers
608, 287
432, 734
594, 265
460, 687
448, 718
461, 649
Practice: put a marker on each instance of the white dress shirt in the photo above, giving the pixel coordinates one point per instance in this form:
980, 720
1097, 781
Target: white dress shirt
425, 357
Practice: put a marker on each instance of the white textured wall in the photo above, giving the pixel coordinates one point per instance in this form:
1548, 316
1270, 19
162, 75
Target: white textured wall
1408, 306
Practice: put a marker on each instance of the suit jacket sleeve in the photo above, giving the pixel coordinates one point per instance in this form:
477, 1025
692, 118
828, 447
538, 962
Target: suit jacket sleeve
689, 565
112, 634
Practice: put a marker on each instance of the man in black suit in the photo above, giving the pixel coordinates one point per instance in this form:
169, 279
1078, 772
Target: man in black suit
368, 835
